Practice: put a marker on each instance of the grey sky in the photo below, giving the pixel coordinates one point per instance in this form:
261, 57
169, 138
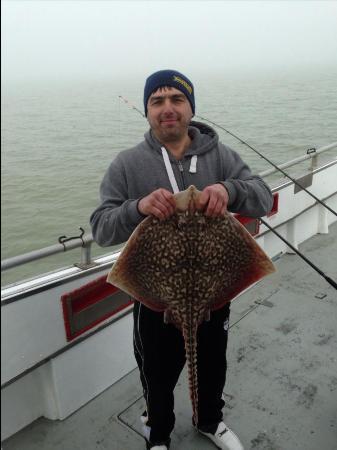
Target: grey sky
112, 39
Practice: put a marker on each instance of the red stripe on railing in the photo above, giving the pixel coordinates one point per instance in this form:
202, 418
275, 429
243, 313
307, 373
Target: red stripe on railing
253, 225
274, 209
88, 295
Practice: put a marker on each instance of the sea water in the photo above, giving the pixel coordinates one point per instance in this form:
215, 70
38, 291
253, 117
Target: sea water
58, 138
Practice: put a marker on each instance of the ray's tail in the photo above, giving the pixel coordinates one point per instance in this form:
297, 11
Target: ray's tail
190, 337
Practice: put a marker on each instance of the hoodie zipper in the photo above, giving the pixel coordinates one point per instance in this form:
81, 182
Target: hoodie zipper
181, 170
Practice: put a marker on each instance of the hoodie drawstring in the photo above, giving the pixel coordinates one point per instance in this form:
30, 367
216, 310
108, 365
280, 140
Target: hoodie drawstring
169, 170
193, 166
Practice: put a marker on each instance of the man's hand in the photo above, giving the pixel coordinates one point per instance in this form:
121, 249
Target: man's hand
214, 200
160, 203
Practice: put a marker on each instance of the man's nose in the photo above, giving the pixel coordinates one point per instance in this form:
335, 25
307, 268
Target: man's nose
168, 106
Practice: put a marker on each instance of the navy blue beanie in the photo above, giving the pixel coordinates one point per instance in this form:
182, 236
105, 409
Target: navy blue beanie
170, 78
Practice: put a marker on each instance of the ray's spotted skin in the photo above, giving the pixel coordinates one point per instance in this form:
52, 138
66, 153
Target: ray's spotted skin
187, 266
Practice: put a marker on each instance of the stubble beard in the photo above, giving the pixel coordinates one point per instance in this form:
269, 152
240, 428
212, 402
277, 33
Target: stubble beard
172, 135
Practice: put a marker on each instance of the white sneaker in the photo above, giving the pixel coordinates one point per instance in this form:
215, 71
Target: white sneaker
159, 447
146, 434
224, 438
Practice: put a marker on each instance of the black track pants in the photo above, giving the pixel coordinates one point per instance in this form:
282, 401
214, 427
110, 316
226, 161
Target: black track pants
160, 354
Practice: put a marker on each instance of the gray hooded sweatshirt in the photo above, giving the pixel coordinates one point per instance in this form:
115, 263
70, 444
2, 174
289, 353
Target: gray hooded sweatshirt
138, 171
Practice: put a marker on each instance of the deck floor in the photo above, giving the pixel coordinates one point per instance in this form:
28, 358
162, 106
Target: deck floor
281, 390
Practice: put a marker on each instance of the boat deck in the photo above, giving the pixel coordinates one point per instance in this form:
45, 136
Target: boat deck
281, 391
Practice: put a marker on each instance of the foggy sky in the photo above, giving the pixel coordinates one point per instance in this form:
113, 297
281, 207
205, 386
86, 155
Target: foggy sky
112, 39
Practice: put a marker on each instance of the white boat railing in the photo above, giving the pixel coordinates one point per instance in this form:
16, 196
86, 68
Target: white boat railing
85, 241
312, 153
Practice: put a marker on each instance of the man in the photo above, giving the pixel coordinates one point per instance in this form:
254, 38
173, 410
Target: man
139, 182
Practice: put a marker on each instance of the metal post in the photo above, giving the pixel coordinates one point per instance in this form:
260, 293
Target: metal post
86, 261
86, 254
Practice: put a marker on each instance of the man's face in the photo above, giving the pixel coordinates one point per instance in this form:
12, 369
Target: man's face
169, 114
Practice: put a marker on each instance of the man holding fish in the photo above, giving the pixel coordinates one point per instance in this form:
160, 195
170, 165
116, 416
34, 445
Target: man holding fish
140, 182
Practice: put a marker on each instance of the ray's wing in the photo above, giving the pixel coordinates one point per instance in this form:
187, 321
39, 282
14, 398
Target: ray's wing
146, 269
229, 260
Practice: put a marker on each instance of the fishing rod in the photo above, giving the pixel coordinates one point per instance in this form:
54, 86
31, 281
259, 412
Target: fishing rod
131, 105
328, 279
272, 164
319, 271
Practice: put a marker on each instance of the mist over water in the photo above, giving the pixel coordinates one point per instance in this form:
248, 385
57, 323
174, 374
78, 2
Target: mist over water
58, 139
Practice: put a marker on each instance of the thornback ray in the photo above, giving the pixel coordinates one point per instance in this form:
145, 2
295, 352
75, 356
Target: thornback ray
187, 266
